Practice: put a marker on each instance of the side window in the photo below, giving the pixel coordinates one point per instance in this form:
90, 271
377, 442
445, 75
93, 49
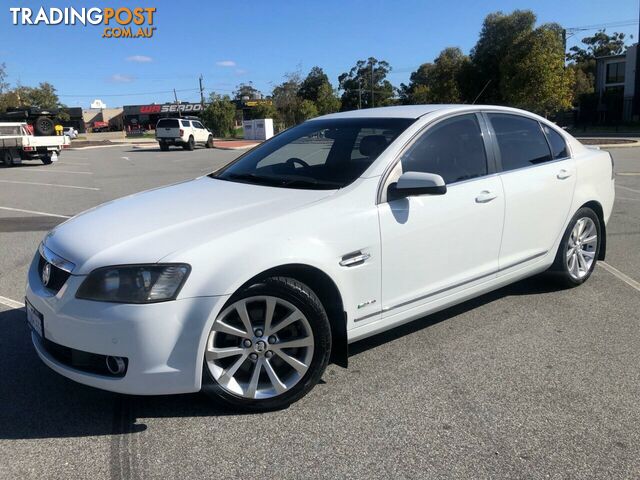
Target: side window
453, 149
520, 140
185, 123
197, 125
558, 145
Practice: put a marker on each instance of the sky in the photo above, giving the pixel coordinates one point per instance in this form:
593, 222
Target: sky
229, 42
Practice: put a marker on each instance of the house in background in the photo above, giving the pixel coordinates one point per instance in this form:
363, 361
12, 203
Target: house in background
615, 86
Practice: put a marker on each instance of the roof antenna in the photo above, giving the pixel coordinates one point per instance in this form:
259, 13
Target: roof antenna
481, 92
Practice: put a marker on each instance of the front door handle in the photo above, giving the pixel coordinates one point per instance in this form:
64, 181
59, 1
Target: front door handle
485, 196
563, 174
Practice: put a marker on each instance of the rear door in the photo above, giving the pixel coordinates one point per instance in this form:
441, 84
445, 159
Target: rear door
538, 178
168, 128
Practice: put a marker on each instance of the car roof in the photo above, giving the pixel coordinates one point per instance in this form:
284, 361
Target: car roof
415, 111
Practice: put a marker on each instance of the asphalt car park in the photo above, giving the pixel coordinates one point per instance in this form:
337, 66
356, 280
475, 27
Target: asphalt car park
526, 382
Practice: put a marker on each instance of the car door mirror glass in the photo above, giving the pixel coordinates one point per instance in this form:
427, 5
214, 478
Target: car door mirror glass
417, 183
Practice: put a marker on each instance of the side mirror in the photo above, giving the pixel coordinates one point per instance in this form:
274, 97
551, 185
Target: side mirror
411, 184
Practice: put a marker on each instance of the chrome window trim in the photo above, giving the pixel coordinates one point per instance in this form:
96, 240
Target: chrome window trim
55, 260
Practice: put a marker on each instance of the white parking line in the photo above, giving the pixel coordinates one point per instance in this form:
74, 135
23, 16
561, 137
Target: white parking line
54, 171
630, 174
617, 273
34, 212
7, 302
50, 185
627, 188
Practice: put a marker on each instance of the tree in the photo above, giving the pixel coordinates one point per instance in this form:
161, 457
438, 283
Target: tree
418, 91
306, 110
219, 115
533, 75
246, 91
42, 96
327, 100
358, 82
311, 85
598, 45
317, 89
286, 100
498, 36
263, 110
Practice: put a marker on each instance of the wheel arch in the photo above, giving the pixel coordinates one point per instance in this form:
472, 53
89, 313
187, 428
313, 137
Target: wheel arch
330, 297
597, 208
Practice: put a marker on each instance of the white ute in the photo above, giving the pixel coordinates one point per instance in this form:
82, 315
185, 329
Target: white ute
17, 144
245, 282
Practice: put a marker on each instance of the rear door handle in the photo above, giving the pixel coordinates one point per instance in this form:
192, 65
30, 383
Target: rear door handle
563, 174
485, 196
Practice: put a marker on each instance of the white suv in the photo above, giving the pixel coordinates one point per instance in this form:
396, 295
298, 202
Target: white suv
183, 132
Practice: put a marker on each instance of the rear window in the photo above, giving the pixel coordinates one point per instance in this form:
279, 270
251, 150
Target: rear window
168, 123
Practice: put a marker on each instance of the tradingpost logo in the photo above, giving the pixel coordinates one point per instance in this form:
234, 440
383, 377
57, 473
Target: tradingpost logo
118, 22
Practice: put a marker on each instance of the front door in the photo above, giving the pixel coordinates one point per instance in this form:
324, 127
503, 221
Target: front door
437, 245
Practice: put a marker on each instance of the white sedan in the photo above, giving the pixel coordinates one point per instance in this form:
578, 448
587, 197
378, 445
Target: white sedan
245, 283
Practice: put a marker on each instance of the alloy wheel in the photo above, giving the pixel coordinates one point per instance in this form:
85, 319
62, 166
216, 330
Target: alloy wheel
259, 347
581, 248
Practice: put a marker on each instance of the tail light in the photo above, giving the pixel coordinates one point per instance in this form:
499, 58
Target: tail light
181, 132
28, 149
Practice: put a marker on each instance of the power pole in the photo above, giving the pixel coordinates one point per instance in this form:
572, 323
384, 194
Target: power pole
359, 93
201, 92
175, 96
373, 103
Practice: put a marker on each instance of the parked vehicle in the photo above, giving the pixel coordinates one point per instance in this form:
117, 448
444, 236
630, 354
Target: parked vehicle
41, 121
185, 132
17, 143
70, 132
244, 283
97, 127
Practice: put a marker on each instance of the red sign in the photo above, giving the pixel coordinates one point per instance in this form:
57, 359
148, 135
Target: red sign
150, 108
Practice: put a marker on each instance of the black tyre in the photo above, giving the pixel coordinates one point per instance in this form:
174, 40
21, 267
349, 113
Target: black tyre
7, 159
163, 146
46, 160
579, 249
44, 126
190, 145
209, 143
268, 347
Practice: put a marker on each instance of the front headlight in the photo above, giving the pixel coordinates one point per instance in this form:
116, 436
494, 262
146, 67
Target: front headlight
134, 283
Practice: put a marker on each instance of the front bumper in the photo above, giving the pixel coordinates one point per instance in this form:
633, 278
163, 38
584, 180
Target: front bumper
163, 342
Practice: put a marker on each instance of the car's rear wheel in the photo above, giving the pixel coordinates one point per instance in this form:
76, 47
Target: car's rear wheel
209, 143
579, 249
163, 146
190, 145
268, 347
47, 160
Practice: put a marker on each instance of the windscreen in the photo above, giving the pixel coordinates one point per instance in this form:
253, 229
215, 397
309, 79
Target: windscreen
319, 154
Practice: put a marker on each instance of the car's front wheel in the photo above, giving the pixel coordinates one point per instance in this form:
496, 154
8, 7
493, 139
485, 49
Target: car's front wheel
268, 347
579, 249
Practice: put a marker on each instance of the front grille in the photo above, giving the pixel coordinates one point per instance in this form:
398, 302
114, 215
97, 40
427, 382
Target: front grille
79, 360
57, 278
